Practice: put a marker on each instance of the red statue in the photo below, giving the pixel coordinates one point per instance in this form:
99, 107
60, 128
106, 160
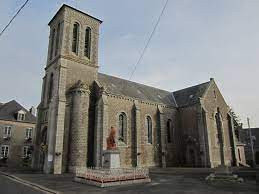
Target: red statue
111, 143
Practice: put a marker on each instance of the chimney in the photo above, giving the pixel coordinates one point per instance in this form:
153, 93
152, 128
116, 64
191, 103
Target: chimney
33, 111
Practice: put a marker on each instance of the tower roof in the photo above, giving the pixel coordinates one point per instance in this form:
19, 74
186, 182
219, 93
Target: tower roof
65, 5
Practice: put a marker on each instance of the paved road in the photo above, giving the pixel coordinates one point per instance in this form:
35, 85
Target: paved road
174, 182
161, 183
10, 186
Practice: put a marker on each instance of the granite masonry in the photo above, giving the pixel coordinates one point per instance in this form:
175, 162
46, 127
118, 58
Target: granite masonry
155, 127
17, 134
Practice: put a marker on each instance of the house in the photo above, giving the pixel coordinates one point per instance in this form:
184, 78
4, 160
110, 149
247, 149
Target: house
244, 137
17, 130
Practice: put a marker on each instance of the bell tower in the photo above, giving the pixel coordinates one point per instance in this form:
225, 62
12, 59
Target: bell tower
73, 40
72, 67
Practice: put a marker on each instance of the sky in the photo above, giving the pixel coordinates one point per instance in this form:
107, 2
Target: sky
195, 40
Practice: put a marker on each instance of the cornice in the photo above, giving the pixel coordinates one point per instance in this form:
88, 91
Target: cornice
79, 87
139, 100
23, 122
71, 58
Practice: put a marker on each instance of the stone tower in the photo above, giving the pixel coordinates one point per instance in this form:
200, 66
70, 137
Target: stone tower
71, 69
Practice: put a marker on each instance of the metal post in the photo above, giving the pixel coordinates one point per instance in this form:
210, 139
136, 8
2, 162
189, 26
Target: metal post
251, 142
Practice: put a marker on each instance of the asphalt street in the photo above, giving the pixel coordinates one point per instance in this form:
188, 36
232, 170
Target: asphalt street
169, 182
11, 186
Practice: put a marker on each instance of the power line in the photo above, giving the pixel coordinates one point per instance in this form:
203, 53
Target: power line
13, 17
150, 37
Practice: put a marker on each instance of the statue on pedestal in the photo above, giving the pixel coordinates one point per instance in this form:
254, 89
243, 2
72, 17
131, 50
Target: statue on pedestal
111, 139
112, 154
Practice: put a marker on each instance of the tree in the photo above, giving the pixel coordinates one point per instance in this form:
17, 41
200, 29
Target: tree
237, 122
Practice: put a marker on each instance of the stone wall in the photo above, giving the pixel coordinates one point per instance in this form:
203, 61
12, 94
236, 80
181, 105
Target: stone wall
146, 154
17, 140
67, 68
172, 149
190, 136
200, 136
115, 107
79, 125
210, 102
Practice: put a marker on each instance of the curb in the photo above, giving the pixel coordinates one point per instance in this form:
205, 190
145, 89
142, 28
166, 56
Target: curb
30, 184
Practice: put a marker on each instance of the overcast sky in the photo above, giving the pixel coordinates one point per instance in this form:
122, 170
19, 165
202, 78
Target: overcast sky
195, 40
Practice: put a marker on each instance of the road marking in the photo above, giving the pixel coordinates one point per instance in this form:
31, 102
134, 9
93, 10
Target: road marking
29, 184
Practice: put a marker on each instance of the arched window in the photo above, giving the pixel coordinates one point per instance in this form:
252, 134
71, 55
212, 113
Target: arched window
87, 50
57, 40
219, 136
149, 129
75, 38
169, 128
50, 87
52, 44
122, 126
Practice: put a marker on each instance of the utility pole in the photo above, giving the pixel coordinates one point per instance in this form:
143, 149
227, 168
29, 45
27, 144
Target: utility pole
251, 143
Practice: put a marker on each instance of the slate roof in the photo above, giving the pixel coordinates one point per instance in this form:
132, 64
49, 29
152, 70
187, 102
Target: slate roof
122, 87
8, 112
191, 95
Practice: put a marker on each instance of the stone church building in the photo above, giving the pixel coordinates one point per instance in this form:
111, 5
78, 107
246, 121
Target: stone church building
154, 127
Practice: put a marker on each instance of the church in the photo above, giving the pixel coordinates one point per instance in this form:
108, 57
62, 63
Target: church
155, 128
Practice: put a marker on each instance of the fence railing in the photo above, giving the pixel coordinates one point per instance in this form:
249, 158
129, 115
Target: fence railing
112, 175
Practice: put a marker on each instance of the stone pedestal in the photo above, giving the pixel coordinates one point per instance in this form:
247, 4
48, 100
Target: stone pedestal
111, 159
101, 177
223, 174
222, 169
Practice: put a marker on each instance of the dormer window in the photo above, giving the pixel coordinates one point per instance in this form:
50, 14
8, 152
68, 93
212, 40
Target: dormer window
21, 117
7, 132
